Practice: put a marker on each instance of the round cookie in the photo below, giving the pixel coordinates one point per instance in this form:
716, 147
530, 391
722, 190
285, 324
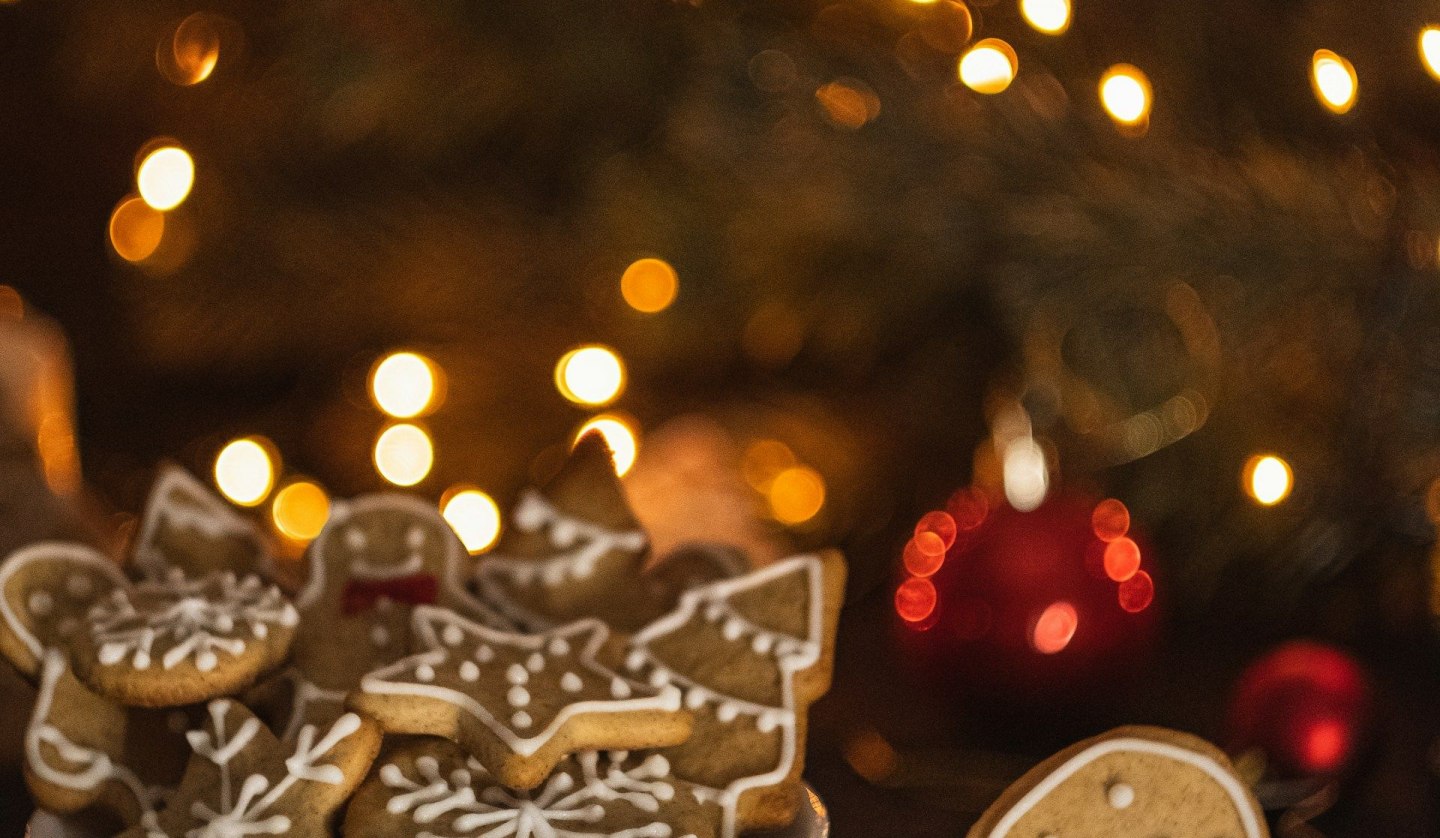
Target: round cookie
46, 589
1130, 781
163, 643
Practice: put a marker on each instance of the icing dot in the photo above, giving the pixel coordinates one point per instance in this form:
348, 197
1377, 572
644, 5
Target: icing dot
570, 682
260, 630
733, 629
518, 697
79, 586
379, 635
535, 662
425, 672
521, 719
484, 654
469, 671
40, 603
714, 611
695, 698
658, 678
728, 711
1120, 795
558, 646
111, 653
767, 722
415, 538
635, 660
516, 674
355, 539
68, 625
206, 661
619, 688
452, 635
762, 643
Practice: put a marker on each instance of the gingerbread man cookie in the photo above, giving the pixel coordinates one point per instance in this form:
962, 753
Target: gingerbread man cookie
46, 589
1130, 781
518, 702
172, 641
750, 654
187, 526
435, 788
242, 781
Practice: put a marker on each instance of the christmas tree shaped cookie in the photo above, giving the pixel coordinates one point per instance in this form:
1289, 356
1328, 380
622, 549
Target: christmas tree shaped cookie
46, 589
750, 654
243, 781
434, 788
187, 526
518, 702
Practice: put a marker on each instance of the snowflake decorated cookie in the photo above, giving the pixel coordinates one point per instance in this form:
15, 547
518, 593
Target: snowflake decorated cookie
519, 703
750, 655
243, 781
189, 527
86, 752
434, 788
173, 641
1130, 781
46, 589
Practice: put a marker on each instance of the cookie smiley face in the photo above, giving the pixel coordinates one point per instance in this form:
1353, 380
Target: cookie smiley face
1131, 781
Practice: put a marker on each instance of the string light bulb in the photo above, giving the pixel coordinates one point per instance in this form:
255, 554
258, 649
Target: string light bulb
989, 66
1126, 95
165, 177
404, 454
404, 384
1334, 81
300, 510
649, 285
245, 470
1268, 479
796, 495
620, 438
1430, 50
590, 375
473, 515
1051, 17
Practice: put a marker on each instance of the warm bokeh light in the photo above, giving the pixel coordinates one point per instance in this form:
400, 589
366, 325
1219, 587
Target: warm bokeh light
1137, 592
245, 471
989, 66
1125, 93
1049, 16
619, 435
796, 495
136, 229
1110, 520
1054, 628
1026, 476
190, 55
915, 600
592, 375
871, 756
939, 523
1334, 81
1326, 744
765, 458
924, 554
1430, 50
1268, 479
1122, 559
474, 516
649, 285
403, 384
404, 454
969, 507
300, 510
848, 103
165, 177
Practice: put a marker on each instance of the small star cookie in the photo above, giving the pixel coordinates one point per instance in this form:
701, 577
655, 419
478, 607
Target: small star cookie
518, 702
241, 780
46, 589
434, 788
172, 641
187, 526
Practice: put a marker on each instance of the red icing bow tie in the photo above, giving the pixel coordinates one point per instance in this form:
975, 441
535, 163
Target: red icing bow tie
361, 594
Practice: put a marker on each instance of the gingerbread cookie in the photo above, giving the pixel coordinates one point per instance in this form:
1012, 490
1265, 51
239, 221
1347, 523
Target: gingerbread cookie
435, 788
85, 752
574, 550
1130, 781
241, 780
518, 702
173, 641
187, 526
46, 589
378, 557
751, 654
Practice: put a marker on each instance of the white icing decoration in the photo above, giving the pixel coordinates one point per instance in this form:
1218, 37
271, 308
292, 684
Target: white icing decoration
452, 636
469, 671
379, 635
618, 688
201, 511
425, 672
43, 552
558, 647
245, 813
536, 661
40, 603
588, 636
1125, 744
188, 619
712, 603
484, 654
1120, 795
467, 802
570, 682
355, 539
79, 586
518, 696
521, 719
415, 538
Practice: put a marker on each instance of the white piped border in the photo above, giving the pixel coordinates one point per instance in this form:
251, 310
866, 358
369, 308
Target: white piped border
65, 551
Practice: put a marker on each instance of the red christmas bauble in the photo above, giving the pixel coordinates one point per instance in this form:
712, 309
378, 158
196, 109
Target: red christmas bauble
1305, 704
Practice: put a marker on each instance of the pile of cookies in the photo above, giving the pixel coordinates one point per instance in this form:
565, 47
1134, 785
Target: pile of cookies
565, 686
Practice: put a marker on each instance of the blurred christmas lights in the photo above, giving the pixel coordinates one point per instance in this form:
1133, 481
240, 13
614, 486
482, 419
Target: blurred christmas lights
1430, 50
245, 470
590, 375
649, 285
1334, 81
989, 66
1136, 593
915, 599
1049, 16
924, 554
941, 524
1122, 559
1110, 520
404, 384
1054, 628
619, 436
165, 176
1026, 476
1125, 93
135, 229
300, 510
189, 55
796, 495
404, 454
1268, 479
473, 515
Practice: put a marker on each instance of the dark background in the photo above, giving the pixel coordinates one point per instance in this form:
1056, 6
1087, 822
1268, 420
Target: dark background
470, 179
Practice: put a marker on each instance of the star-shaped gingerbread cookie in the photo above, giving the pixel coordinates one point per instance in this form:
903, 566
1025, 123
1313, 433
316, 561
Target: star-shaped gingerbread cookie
518, 702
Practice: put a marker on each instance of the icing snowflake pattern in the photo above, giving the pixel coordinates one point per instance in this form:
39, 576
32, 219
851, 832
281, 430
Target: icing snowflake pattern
249, 810
178, 619
566, 806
